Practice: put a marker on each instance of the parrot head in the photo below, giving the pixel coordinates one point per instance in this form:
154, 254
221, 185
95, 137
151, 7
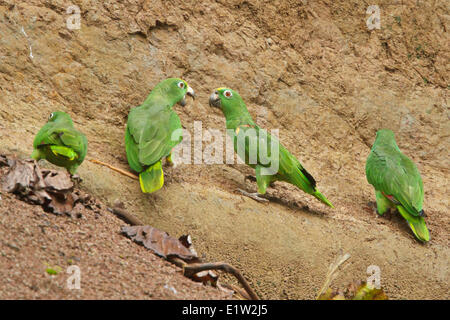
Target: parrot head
385, 134
59, 116
228, 100
176, 89
385, 137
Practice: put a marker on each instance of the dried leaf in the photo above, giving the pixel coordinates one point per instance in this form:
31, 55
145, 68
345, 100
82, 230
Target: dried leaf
160, 242
5, 161
57, 180
20, 177
186, 241
51, 189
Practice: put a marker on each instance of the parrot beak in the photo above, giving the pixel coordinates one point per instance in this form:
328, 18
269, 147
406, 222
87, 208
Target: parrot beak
189, 92
214, 100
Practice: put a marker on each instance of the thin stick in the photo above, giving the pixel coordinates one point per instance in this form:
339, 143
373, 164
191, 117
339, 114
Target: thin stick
191, 269
125, 216
241, 293
125, 173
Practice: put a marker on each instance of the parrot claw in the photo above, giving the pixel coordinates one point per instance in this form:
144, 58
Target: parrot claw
76, 178
255, 195
172, 164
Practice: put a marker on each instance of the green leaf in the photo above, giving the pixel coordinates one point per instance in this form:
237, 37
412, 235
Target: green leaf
366, 292
53, 270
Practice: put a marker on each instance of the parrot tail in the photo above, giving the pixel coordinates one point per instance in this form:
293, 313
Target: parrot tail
152, 179
64, 152
322, 198
416, 223
305, 181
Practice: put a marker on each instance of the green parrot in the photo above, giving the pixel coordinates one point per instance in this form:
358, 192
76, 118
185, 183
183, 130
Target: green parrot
397, 182
148, 136
60, 143
242, 129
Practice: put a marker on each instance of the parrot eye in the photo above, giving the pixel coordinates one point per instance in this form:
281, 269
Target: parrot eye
181, 85
227, 94
51, 116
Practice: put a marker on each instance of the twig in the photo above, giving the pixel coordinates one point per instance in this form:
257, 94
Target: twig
191, 269
239, 292
125, 173
125, 216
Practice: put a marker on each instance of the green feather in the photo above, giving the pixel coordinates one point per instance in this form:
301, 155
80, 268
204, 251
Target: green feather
416, 223
249, 139
60, 143
62, 151
397, 181
150, 127
152, 179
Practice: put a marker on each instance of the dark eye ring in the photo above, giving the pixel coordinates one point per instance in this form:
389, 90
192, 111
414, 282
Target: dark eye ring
181, 84
227, 94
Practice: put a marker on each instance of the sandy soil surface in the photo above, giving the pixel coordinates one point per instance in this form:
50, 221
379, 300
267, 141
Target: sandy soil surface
111, 266
311, 69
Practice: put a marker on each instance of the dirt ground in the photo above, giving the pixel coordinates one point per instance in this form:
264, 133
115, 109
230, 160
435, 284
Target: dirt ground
311, 69
111, 266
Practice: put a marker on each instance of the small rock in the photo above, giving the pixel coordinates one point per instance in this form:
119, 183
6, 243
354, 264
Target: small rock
13, 246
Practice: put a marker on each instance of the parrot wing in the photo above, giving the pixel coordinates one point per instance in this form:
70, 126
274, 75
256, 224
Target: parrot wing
397, 177
132, 151
289, 168
62, 136
45, 136
151, 132
75, 140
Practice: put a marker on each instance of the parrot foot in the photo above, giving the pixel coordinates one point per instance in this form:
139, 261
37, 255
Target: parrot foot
76, 178
170, 162
255, 195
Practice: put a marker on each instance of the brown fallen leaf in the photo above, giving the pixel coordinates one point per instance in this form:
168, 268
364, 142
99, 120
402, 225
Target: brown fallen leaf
57, 180
5, 161
180, 252
170, 248
160, 242
51, 189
